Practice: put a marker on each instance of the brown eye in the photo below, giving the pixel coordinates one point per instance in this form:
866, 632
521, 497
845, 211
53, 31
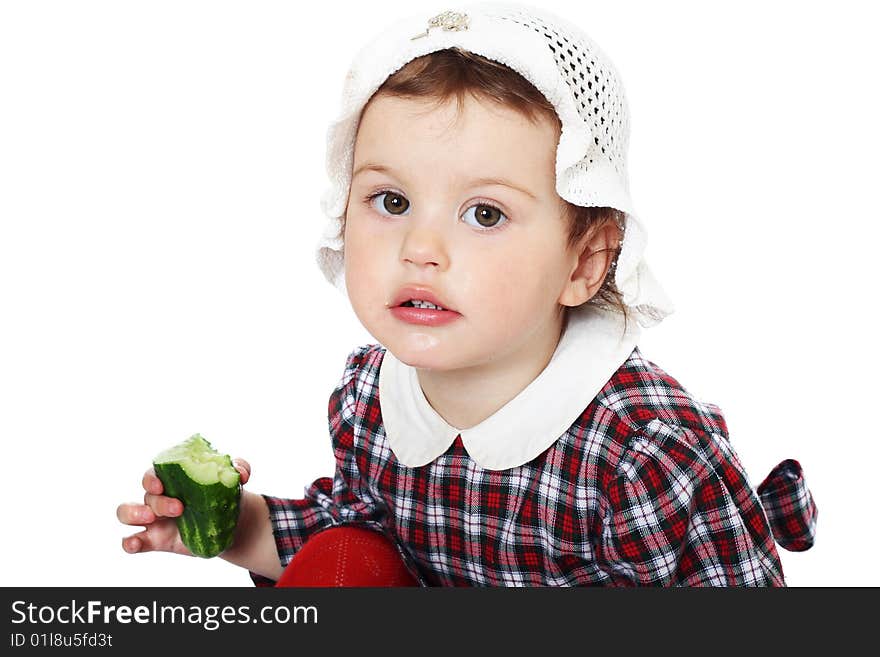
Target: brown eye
394, 203
484, 216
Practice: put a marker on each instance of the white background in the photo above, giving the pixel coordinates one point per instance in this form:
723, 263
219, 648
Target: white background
161, 166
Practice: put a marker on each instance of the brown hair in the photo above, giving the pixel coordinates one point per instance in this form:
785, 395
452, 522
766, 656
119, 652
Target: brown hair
455, 73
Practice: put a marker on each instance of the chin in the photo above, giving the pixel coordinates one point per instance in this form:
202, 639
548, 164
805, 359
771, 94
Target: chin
422, 352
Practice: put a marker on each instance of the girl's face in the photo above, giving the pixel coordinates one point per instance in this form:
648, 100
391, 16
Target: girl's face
463, 212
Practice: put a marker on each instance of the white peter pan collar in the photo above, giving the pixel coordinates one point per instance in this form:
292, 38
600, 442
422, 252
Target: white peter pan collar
592, 348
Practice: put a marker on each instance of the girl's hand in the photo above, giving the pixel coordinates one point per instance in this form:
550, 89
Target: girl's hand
156, 515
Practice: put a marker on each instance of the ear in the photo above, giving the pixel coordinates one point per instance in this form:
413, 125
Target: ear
591, 259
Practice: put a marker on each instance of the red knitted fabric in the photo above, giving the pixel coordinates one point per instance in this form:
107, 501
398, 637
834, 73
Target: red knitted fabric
347, 556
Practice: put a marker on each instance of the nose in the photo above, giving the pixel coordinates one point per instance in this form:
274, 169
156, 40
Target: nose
425, 245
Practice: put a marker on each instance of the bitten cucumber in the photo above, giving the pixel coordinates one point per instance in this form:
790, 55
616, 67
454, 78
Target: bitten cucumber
208, 485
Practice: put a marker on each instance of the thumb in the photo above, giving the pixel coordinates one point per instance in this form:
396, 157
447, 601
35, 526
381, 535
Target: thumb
244, 469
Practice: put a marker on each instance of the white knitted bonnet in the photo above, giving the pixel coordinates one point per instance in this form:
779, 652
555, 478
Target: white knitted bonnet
563, 64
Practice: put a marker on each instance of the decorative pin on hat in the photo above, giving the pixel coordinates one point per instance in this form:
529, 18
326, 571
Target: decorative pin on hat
451, 21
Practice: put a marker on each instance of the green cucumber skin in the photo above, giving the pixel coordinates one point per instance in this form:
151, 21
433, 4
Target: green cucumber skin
210, 513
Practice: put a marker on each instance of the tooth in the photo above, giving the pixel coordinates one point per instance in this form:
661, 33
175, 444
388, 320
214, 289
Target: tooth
419, 303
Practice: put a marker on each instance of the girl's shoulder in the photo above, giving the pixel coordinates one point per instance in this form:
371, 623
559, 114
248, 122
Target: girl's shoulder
641, 393
363, 360
359, 382
648, 428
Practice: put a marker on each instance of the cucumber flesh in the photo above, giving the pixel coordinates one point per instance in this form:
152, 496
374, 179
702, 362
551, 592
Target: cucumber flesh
201, 462
207, 484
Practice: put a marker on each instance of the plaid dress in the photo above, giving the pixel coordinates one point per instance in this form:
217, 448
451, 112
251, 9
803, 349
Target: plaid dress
644, 488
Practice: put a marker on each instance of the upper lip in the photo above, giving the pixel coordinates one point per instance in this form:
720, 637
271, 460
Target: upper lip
410, 292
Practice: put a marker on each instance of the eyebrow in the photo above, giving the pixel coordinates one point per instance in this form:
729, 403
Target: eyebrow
369, 166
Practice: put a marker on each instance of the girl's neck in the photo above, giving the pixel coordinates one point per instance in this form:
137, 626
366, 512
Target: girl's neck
466, 397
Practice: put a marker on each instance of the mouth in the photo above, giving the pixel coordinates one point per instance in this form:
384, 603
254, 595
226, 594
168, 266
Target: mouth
418, 305
414, 296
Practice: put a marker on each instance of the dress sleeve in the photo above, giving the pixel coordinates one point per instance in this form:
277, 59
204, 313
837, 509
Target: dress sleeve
678, 511
344, 498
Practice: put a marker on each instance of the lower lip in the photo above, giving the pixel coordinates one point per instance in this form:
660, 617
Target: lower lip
424, 316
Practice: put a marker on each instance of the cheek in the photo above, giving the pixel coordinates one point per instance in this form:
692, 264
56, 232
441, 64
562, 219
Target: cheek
365, 256
514, 286
357, 265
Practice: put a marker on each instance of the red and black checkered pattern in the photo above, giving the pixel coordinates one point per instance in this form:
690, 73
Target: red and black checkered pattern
789, 505
643, 489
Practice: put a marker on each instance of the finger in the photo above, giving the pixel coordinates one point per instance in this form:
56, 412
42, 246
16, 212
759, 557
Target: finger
139, 542
164, 506
132, 544
133, 513
151, 482
244, 469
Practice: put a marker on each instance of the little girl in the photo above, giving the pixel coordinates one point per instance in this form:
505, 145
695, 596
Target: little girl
506, 430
